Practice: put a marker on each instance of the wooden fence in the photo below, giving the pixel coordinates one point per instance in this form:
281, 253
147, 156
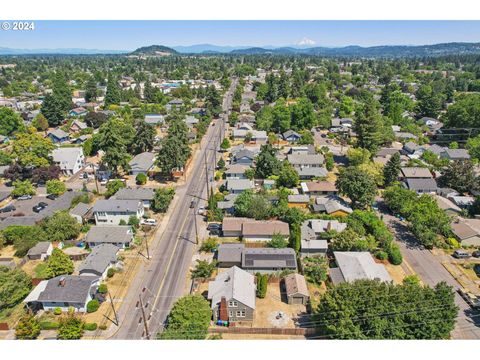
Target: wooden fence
265, 331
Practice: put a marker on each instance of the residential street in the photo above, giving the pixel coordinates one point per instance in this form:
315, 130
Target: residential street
162, 280
430, 270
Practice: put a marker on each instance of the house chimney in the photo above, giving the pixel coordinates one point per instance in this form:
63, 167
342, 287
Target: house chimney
61, 282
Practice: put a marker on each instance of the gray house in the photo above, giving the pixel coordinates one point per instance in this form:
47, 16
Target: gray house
63, 291
232, 294
268, 260
97, 263
120, 236
113, 211
142, 163
229, 255
357, 265
238, 186
145, 195
41, 251
306, 160
421, 186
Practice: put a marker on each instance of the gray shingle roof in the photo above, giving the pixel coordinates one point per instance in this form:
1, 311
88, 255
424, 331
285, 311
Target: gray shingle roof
99, 259
305, 159
67, 157
142, 162
425, 185
39, 249
109, 234
230, 252
75, 289
135, 194
360, 265
234, 283
80, 209
254, 258
114, 205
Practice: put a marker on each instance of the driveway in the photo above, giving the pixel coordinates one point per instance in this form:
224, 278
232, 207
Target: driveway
431, 271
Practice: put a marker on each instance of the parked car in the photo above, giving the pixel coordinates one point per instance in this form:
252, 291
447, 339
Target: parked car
44, 204
150, 222
461, 254
38, 208
24, 197
214, 226
192, 204
52, 196
201, 210
470, 298
215, 232
103, 182
8, 208
476, 254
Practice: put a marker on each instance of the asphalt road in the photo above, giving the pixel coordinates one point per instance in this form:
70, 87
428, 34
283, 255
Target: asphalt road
162, 281
430, 270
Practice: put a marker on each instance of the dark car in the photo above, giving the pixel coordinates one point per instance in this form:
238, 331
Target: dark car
43, 204
8, 208
461, 254
39, 207
215, 232
192, 204
52, 196
476, 254
214, 226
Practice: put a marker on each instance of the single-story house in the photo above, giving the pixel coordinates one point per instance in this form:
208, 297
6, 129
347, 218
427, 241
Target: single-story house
80, 111
236, 171
142, 163
467, 231
154, 119
78, 126
315, 188
232, 295
304, 149
331, 205
58, 136
455, 154
70, 159
298, 200
238, 186
306, 160
145, 195
312, 232
296, 289
416, 173
308, 173
113, 211
410, 147
80, 212
291, 136
245, 157
174, 104
253, 230
64, 292
229, 255
41, 251
97, 263
120, 236
357, 265
421, 186
268, 260
447, 205
463, 202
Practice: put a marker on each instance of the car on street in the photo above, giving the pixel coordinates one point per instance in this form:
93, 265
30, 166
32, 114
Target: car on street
201, 210
8, 208
470, 299
476, 254
149, 222
52, 196
461, 254
192, 204
38, 208
24, 197
44, 204
103, 182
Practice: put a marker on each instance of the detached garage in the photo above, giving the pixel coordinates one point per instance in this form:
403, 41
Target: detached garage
296, 289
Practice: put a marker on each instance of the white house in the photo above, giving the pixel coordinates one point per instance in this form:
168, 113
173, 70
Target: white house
70, 159
112, 212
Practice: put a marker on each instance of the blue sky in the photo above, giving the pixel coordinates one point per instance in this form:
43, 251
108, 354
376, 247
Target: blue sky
128, 35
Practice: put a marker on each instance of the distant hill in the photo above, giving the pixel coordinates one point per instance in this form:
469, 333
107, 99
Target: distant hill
373, 51
154, 50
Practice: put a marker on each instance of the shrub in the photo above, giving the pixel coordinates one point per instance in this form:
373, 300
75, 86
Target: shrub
49, 325
90, 326
102, 289
209, 245
381, 255
394, 254
103, 327
110, 272
453, 243
262, 284
141, 179
93, 306
57, 311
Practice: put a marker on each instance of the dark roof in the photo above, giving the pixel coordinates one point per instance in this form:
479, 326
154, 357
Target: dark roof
99, 259
75, 289
135, 194
113, 205
425, 185
255, 258
230, 252
39, 249
109, 234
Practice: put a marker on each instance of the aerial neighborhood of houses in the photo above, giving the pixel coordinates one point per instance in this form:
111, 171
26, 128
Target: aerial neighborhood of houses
268, 194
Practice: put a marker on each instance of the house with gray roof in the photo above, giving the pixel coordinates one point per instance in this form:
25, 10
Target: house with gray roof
244, 157
306, 160
455, 154
41, 251
232, 295
410, 147
313, 231
357, 265
296, 289
58, 136
80, 212
238, 186
70, 159
97, 263
64, 292
113, 211
291, 136
421, 186
331, 205
145, 195
308, 173
142, 163
236, 171
154, 119
415, 173
229, 255
268, 260
121, 236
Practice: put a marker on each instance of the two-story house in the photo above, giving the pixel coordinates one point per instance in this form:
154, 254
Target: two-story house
112, 212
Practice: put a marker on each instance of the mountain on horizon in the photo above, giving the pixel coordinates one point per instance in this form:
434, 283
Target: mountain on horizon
454, 48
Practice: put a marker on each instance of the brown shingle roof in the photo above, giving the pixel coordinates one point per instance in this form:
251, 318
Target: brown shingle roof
296, 284
265, 228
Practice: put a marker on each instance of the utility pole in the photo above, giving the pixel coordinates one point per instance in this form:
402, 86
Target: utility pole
113, 308
147, 334
206, 171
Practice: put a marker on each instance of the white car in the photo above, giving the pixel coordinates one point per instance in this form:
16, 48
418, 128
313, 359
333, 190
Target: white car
201, 210
149, 222
103, 182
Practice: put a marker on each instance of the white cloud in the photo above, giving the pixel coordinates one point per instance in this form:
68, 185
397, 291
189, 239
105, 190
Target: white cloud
306, 42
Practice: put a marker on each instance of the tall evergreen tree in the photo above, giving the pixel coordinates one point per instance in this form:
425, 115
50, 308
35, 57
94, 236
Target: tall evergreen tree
113, 95
144, 138
91, 90
368, 125
392, 169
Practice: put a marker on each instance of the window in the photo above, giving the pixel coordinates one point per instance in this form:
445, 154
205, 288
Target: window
230, 314
240, 313
232, 303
